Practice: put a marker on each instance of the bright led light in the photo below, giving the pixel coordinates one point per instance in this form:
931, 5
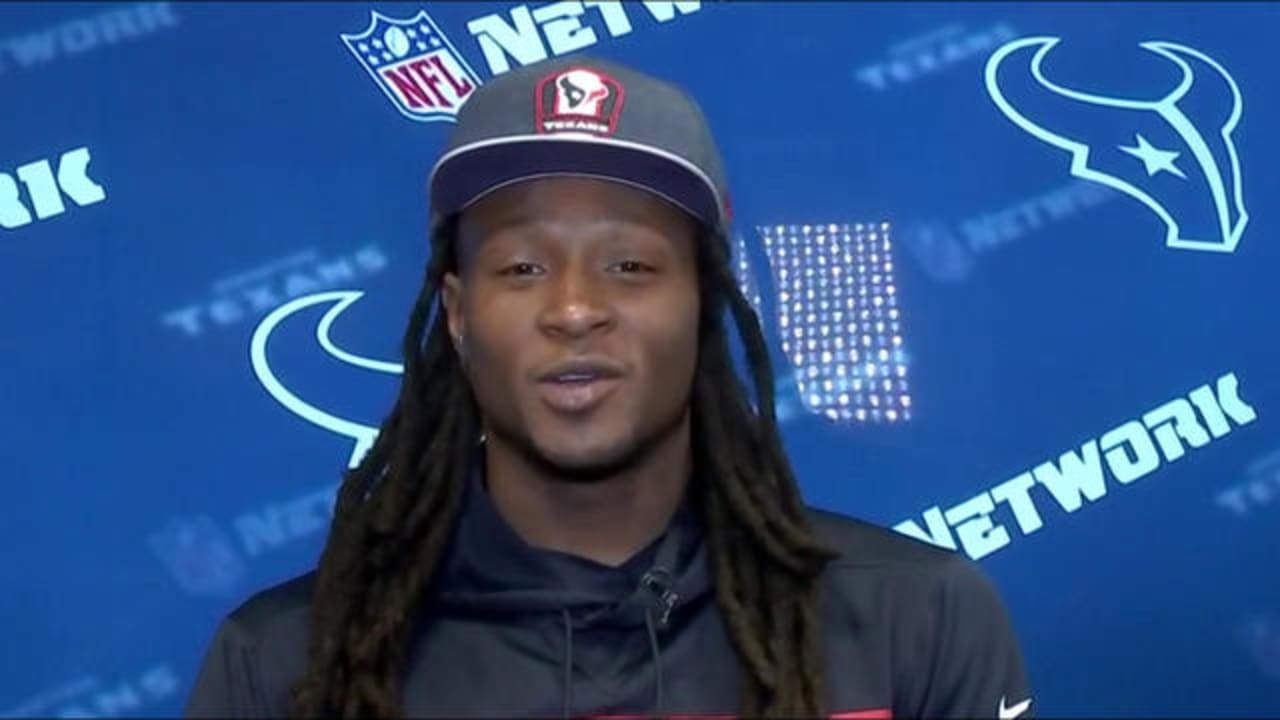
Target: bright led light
835, 285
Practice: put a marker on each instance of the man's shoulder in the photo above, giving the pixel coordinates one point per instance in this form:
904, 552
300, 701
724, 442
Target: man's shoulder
932, 615
257, 652
876, 562
280, 606
869, 552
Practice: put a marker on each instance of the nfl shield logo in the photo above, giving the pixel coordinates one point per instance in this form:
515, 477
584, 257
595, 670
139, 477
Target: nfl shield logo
198, 555
415, 65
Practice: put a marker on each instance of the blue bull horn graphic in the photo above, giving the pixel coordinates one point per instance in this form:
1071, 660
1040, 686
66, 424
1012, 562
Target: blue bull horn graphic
339, 301
1174, 154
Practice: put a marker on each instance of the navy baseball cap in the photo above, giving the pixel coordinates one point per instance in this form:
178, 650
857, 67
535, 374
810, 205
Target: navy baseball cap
585, 117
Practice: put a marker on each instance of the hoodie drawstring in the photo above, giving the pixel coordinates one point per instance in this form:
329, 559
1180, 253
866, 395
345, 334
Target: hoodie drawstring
568, 661
654, 649
657, 660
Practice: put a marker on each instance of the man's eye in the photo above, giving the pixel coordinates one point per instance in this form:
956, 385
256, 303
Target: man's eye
521, 268
630, 266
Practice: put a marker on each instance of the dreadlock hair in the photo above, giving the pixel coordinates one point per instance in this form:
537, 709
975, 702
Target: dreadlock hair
397, 509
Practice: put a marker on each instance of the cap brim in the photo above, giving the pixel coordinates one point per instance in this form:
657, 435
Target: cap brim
468, 173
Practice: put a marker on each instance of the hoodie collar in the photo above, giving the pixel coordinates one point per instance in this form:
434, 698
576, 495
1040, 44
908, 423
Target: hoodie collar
491, 569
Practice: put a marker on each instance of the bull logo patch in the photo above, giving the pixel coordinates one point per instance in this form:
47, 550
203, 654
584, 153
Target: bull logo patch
578, 100
1175, 153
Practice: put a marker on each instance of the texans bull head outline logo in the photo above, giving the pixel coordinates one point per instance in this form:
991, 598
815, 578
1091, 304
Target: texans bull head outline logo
1189, 174
363, 435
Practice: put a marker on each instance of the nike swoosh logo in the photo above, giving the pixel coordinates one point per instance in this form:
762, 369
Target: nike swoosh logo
1008, 713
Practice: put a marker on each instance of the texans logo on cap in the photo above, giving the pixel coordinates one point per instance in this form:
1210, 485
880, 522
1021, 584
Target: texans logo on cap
578, 99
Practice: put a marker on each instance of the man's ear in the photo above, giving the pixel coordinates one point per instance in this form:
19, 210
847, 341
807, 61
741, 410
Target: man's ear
451, 291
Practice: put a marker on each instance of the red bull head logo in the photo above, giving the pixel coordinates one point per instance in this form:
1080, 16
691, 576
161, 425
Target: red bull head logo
579, 100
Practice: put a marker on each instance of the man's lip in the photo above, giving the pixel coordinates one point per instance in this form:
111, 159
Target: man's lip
576, 397
596, 366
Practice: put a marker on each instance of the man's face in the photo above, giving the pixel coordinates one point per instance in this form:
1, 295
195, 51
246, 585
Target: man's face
562, 269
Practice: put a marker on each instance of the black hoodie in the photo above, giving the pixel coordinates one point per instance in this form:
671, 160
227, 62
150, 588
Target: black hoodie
910, 631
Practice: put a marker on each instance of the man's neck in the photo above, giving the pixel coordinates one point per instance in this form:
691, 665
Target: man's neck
607, 520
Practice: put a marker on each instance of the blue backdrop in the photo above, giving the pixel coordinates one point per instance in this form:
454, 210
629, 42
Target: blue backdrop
1017, 263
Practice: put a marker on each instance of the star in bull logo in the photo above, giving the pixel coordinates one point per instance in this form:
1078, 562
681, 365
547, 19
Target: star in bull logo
415, 65
1175, 153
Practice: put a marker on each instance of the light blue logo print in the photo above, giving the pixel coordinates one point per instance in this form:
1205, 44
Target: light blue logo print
339, 301
1189, 171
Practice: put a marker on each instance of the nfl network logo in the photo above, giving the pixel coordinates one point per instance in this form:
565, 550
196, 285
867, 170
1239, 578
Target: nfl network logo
198, 555
415, 65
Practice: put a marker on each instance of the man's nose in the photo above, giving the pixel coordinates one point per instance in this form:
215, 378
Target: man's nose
576, 302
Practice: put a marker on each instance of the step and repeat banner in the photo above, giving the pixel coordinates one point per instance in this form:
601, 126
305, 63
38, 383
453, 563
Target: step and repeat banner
1018, 264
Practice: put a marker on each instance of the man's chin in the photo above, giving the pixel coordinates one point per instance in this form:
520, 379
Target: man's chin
576, 461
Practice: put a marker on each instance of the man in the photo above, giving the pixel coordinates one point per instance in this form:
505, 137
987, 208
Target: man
575, 508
